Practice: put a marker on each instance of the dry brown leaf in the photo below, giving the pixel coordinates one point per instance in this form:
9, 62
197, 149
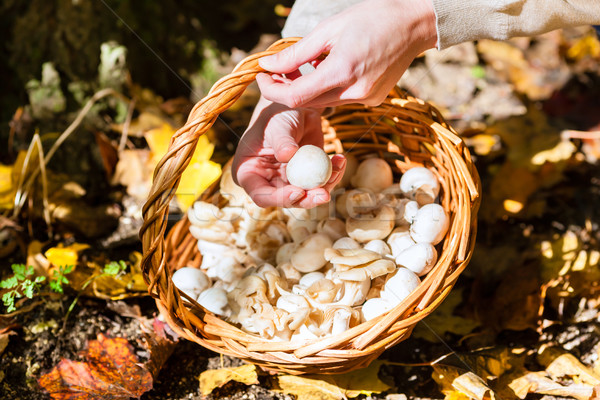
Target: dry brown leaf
559, 363
110, 371
333, 387
473, 386
539, 383
215, 378
160, 345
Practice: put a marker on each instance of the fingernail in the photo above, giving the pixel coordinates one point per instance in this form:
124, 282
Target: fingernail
295, 196
265, 62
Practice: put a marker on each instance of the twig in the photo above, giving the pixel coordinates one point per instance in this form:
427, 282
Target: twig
573, 134
125, 132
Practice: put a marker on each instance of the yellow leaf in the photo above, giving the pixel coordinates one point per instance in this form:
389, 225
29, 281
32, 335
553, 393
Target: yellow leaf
215, 378
562, 151
200, 172
588, 45
456, 395
61, 256
131, 284
473, 386
333, 387
196, 179
7, 187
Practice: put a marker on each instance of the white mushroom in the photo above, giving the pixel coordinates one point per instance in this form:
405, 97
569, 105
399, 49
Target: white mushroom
430, 224
341, 321
300, 229
309, 255
368, 271
214, 299
419, 258
284, 253
235, 195
399, 286
355, 202
411, 208
335, 228
204, 214
399, 240
378, 246
310, 278
309, 168
374, 308
291, 274
322, 291
346, 243
370, 226
351, 166
420, 184
353, 293
191, 281
344, 259
373, 174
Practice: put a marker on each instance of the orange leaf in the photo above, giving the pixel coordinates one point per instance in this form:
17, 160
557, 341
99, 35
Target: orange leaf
111, 371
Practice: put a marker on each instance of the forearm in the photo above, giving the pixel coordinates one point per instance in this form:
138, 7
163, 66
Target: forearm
460, 21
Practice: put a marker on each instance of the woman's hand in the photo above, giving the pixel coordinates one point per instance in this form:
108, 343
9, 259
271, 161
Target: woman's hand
370, 45
272, 138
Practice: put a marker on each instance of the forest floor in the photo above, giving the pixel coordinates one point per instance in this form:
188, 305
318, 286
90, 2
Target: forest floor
523, 317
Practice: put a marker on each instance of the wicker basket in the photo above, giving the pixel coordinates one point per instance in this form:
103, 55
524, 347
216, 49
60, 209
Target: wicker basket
406, 132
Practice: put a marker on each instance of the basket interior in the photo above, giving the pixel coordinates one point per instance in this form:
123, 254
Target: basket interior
405, 132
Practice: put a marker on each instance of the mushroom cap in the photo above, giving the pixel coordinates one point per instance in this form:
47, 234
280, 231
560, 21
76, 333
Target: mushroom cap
309, 168
373, 174
419, 183
309, 257
399, 240
346, 243
419, 258
368, 271
430, 224
378, 246
399, 286
191, 281
284, 253
375, 225
335, 228
348, 258
374, 308
308, 279
411, 208
214, 299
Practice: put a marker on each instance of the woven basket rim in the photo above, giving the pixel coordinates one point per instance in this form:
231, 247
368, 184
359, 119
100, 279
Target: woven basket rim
359, 345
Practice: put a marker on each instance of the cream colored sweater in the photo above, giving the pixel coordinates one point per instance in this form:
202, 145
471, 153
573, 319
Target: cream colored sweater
465, 20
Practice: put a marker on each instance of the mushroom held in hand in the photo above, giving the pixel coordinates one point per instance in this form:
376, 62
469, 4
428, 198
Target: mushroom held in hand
309, 168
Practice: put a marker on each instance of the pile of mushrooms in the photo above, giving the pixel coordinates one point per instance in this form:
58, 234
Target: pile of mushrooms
288, 274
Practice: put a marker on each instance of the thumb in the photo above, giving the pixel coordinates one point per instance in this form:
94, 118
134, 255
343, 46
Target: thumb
282, 132
289, 59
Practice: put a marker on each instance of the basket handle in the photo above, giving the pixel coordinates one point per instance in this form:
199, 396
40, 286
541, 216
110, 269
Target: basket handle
168, 171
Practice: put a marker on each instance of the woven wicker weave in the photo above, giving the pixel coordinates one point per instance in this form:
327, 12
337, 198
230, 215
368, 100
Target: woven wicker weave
404, 131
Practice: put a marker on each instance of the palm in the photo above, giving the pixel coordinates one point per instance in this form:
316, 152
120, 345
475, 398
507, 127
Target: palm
272, 138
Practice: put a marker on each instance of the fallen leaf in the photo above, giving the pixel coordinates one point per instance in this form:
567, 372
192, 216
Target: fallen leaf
587, 46
215, 378
199, 174
539, 383
110, 371
4, 337
62, 256
473, 386
559, 364
332, 387
159, 343
7, 187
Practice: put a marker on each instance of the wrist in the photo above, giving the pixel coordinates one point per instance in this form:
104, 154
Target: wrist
421, 23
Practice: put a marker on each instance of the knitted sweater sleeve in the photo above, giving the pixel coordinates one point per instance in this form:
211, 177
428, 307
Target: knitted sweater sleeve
460, 21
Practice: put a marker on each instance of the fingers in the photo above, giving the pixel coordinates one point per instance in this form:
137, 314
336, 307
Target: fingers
265, 195
289, 59
298, 92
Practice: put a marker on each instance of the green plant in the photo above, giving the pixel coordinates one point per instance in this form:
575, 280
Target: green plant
19, 285
58, 278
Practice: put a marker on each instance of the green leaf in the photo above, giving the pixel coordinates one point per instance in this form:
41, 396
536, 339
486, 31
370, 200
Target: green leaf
9, 283
28, 288
19, 269
40, 279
